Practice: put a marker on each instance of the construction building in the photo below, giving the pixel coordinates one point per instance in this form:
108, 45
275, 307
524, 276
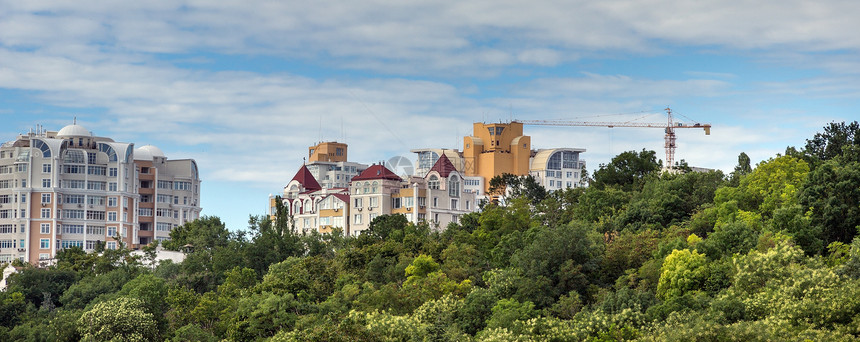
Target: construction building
69, 188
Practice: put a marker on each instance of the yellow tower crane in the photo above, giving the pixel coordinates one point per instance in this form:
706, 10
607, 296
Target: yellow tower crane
669, 127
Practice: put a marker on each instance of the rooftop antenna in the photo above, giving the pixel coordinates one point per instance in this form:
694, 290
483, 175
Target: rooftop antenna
75, 120
321, 139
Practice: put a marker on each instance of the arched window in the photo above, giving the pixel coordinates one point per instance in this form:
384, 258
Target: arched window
454, 186
42, 146
107, 149
373, 188
74, 157
433, 183
366, 187
297, 209
554, 162
308, 206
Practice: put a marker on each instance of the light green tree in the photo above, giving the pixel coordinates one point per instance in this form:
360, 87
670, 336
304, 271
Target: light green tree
121, 319
683, 271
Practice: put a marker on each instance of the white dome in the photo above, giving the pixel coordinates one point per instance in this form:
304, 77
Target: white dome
74, 131
147, 152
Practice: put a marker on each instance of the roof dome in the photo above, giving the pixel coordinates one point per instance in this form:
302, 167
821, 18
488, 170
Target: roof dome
74, 131
147, 152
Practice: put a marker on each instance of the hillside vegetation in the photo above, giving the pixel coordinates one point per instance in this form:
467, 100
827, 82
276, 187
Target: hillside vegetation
765, 253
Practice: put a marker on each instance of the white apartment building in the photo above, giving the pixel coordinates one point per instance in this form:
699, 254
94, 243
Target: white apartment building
71, 188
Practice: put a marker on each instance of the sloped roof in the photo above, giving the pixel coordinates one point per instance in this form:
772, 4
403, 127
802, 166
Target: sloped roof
342, 197
377, 172
443, 166
306, 179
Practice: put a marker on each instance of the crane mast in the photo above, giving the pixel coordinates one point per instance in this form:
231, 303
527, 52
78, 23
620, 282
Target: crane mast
668, 127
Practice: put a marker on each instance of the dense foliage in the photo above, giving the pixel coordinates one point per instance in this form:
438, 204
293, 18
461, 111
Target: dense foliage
766, 253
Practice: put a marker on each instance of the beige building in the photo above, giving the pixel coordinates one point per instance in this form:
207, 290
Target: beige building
71, 188
558, 168
169, 193
495, 149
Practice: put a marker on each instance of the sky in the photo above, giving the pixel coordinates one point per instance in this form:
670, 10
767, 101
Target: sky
244, 87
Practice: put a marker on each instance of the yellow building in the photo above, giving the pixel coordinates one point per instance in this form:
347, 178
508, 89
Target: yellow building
330, 151
494, 149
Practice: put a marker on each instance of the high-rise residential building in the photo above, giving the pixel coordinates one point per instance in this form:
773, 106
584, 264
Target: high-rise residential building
558, 168
328, 164
495, 149
72, 188
169, 193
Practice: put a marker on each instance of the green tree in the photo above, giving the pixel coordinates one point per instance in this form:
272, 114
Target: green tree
830, 143
507, 311
683, 271
832, 195
122, 319
627, 170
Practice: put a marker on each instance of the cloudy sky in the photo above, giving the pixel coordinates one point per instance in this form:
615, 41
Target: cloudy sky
244, 87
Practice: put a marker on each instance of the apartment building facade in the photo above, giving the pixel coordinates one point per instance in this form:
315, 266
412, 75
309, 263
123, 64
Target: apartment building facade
70, 188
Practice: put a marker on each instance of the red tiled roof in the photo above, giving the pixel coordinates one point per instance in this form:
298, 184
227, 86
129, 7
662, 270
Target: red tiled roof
443, 166
377, 172
306, 179
342, 197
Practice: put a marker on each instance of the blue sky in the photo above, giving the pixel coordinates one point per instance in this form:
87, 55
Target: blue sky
243, 86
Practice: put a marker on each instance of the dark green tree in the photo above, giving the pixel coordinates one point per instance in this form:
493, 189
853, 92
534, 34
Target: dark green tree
627, 170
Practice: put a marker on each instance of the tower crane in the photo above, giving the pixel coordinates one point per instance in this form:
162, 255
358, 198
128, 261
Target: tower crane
669, 127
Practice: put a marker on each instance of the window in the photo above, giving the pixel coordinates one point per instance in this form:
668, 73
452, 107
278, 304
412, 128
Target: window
96, 230
454, 186
46, 198
111, 231
91, 157
110, 245
111, 216
95, 215
467, 206
74, 199
46, 168
73, 214
374, 202
96, 200
357, 219
433, 183
74, 169
113, 171
373, 187
142, 170
96, 170
7, 244
145, 211
454, 204
112, 186
395, 202
163, 227
165, 185
23, 198
44, 244
175, 199
73, 229
366, 187
46, 213
551, 183
7, 228
91, 244
146, 198
184, 186
435, 202
45, 228
74, 184
111, 201
46, 182
164, 198
93, 185
44, 256
5, 199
